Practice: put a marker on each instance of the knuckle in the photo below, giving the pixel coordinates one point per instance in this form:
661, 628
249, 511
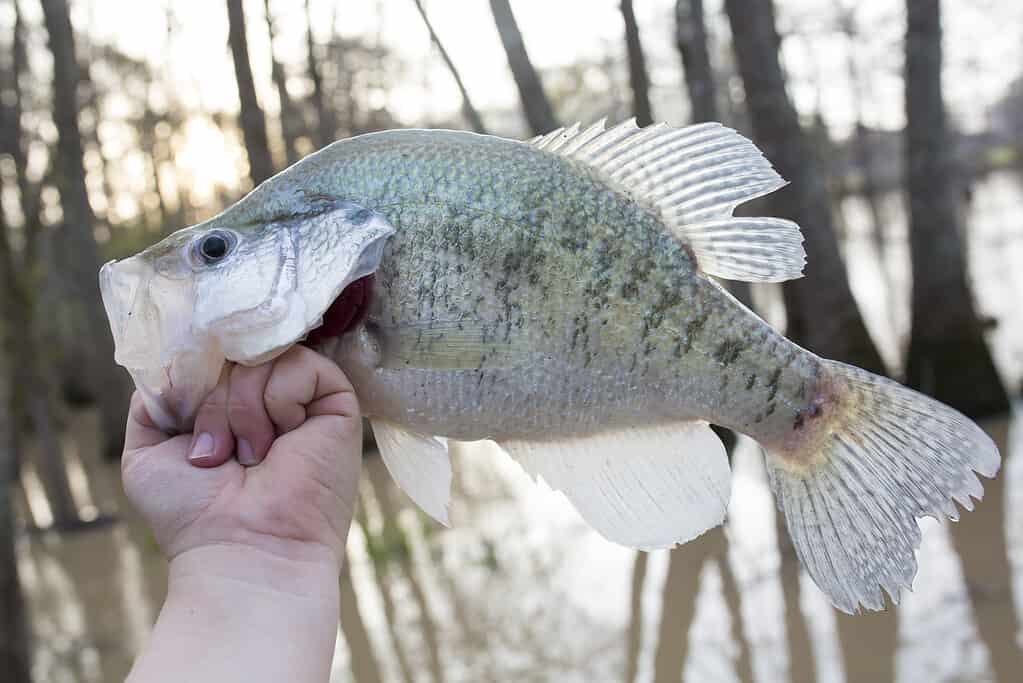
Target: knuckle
348, 404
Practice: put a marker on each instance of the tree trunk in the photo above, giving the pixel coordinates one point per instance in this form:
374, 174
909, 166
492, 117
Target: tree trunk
326, 123
253, 121
468, 110
634, 635
678, 606
979, 538
15, 653
802, 666
31, 386
363, 661
32, 390
947, 354
291, 123
150, 145
691, 40
733, 602
382, 489
639, 80
14, 633
384, 581
535, 105
108, 383
862, 152
822, 314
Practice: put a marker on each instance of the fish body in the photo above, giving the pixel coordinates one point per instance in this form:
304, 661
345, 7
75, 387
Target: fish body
522, 295
558, 297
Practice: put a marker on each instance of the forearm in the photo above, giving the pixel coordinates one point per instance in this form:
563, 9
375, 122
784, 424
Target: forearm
243, 614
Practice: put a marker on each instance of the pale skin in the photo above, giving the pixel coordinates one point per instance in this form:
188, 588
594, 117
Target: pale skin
253, 518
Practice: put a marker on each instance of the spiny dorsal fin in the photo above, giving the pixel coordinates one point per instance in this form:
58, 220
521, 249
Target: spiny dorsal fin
694, 177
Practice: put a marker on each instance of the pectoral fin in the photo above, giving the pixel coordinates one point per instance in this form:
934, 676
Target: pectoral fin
643, 487
419, 465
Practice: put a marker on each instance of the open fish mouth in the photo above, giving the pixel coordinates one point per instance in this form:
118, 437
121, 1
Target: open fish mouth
213, 294
346, 311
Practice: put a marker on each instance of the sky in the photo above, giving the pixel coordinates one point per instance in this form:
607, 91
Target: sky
983, 46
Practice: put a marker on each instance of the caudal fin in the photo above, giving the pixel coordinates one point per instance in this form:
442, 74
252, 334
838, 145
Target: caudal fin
853, 487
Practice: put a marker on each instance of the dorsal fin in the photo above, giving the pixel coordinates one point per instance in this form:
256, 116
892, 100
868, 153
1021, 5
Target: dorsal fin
694, 177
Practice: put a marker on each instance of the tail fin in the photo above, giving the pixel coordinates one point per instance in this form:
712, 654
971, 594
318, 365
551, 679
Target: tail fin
853, 488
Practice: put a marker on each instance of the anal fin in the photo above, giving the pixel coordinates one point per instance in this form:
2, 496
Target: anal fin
419, 465
642, 487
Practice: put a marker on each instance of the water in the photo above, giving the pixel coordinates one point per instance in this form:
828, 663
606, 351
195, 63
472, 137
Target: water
521, 589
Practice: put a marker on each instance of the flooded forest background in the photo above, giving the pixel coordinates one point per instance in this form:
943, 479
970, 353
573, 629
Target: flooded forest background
121, 122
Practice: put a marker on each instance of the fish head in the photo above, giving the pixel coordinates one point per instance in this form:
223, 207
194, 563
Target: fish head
234, 289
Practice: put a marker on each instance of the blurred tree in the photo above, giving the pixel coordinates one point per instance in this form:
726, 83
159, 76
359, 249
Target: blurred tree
326, 123
107, 382
36, 392
979, 539
15, 653
149, 138
821, 311
385, 581
91, 116
634, 632
862, 149
686, 565
535, 105
362, 660
468, 110
32, 390
253, 122
802, 666
291, 119
822, 314
678, 607
691, 40
638, 77
948, 357
397, 549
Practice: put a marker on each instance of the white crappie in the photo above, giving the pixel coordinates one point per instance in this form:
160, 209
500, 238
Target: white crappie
555, 296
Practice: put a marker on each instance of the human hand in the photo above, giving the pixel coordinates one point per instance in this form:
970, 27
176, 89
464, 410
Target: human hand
294, 429
255, 541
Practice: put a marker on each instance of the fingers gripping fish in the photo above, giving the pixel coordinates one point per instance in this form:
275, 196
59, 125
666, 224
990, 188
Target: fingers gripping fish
557, 297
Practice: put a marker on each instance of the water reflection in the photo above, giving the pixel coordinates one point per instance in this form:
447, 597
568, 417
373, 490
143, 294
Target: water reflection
520, 588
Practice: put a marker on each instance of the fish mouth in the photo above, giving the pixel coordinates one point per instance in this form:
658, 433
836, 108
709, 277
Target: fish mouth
344, 313
174, 332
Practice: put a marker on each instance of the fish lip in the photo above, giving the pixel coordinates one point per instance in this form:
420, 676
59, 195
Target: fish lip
172, 374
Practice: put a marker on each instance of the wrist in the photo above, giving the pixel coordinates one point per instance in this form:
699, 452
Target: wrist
237, 612
293, 570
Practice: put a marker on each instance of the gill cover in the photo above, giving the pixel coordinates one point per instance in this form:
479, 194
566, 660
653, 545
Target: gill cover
177, 314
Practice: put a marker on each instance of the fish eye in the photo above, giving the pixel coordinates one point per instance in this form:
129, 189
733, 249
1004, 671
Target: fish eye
215, 245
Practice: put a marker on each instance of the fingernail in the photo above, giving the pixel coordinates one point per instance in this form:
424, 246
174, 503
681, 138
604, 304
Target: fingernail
245, 455
202, 447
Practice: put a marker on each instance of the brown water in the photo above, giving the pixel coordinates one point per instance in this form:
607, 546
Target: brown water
521, 589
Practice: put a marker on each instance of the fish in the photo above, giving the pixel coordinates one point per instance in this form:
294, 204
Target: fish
561, 297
